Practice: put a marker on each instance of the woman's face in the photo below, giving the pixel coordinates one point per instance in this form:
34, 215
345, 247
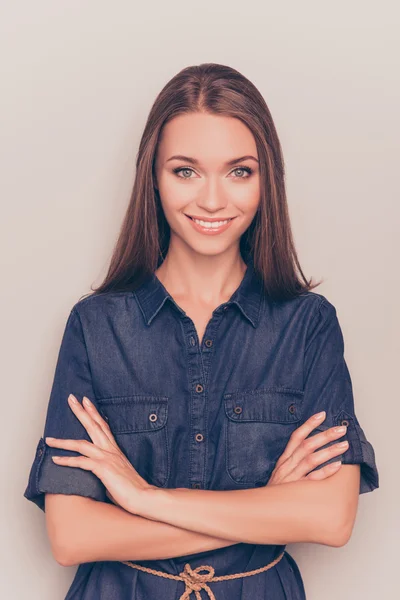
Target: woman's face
214, 178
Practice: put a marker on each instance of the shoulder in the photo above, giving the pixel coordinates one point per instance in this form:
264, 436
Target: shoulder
321, 318
307, 307
105, 304
304, 315
318, 304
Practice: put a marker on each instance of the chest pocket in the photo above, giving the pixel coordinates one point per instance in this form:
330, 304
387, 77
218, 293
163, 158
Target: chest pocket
138, 424
258, 427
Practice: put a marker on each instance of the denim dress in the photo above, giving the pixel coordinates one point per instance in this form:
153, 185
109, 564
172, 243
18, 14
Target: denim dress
214, 414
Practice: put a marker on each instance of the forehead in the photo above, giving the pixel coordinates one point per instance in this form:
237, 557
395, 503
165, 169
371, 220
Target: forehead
206, 137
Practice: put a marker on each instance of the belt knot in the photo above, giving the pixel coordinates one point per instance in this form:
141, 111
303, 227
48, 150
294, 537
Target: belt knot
195, 582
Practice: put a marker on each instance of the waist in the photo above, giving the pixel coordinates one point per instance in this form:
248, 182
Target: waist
195, 580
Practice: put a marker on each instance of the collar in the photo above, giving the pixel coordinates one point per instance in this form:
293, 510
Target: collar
152, 296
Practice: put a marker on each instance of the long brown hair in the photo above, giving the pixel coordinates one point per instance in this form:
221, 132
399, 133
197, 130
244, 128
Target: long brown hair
144, 235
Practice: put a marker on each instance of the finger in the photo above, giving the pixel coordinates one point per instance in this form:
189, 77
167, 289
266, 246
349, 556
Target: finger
82, 446
300, 434
324, 472
313, 460
93, 429
111, 497
303, 445
96, 416
312, 443
82, 462
299, 463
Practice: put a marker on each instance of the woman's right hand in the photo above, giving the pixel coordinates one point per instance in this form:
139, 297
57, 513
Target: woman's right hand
300, 456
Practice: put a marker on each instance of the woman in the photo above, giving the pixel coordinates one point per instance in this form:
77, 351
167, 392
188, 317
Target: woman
206, 358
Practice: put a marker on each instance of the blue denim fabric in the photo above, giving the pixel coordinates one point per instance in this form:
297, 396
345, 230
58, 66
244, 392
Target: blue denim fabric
261, 370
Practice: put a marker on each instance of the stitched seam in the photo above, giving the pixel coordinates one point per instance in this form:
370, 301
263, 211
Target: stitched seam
74, 310
322, 301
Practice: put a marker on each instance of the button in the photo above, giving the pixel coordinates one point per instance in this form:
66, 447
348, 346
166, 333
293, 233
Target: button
192, 341
199, 437
238, 410
40, 451
199, 388
196, 485
153, 417
292, 408
208, 343
344, 422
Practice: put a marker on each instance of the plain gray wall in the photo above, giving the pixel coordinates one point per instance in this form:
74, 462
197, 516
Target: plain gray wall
77, 81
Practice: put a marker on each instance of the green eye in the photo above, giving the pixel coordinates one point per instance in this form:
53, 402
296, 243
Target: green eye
179, 169
242, 169
246, 169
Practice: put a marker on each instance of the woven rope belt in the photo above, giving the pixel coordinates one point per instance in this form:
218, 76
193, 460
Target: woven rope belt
194, 581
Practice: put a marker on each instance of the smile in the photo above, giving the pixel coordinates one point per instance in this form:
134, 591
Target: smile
210, 227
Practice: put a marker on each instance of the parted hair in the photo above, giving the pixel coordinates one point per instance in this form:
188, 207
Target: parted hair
144, 235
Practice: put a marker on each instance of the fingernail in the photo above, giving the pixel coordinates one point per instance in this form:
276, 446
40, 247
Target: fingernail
49, 439
72, 398
342, 444
341, 429
56, 457
319, 415
86, 401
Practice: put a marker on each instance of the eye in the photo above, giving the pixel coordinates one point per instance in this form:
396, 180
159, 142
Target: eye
241, 169
248, 170
179, 169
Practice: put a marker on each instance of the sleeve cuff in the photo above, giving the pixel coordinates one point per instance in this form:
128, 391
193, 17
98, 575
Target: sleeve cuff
46, 476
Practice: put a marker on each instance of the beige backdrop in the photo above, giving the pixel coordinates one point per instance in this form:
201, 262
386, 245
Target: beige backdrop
77, 81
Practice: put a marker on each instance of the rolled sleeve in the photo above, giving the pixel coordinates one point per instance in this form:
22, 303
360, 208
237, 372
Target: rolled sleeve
328, 387
72, 376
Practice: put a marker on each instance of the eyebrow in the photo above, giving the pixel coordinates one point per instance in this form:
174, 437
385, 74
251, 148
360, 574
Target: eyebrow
194, 161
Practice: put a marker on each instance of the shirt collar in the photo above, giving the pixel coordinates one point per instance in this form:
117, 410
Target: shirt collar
152, 296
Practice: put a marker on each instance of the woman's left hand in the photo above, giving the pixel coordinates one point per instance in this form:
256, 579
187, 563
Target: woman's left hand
125, 487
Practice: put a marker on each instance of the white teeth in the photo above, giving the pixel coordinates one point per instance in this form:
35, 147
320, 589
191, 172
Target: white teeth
209, 225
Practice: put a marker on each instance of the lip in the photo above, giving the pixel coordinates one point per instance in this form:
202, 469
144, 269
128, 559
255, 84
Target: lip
210, 231
211, 220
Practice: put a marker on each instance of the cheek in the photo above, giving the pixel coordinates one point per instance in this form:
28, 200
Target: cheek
247, 199
175, 195
246, 192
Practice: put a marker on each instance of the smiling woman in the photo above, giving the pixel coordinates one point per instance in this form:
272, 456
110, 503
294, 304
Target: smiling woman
219, 196
206, 356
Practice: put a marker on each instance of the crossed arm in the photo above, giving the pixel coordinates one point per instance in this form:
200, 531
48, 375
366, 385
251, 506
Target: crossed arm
176, 522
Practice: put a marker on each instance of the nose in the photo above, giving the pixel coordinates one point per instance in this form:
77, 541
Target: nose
212, 198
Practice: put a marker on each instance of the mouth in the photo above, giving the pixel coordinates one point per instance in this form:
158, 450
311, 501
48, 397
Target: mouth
210, 226
209, 220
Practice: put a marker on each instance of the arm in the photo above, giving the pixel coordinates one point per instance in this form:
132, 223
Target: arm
298, 511
85, 530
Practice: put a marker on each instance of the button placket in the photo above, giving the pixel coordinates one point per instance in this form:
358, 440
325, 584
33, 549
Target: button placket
199, 355
197, 365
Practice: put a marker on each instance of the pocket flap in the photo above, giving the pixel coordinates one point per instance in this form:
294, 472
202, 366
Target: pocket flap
277, 405
128, 414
